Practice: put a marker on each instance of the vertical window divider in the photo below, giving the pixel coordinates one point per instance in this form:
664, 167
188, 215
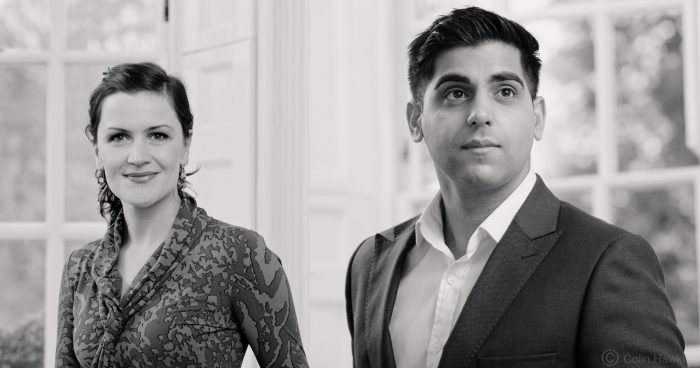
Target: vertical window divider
690, 16
55, 172
604, 59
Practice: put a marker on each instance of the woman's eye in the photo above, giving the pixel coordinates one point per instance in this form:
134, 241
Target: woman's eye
159, 136
456, 95
119, 137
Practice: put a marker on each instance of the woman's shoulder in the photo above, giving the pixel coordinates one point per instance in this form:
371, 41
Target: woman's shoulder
243, 242
80, 259
232, 233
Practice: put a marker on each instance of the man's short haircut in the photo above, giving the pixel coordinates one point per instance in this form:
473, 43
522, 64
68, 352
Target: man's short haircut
469, 27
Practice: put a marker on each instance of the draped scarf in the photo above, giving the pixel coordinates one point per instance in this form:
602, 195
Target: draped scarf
114, 311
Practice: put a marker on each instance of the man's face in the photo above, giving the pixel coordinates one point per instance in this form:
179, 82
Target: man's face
478, 118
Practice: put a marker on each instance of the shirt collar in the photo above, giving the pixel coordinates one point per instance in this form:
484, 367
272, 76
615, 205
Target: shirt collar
498, 221
429, 226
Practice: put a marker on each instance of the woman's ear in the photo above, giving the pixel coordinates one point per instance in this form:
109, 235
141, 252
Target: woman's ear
98, 160
186, 153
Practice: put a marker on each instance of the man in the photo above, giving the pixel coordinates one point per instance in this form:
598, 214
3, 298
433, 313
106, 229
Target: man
497, 272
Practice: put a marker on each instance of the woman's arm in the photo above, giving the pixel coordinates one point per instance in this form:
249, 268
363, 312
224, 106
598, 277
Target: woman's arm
264, 307
65, 356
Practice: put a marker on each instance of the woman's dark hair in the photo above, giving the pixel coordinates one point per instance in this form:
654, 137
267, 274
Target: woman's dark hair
133, 78
469, 27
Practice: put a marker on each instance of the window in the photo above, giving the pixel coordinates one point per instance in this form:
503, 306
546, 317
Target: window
619, 79
52, 53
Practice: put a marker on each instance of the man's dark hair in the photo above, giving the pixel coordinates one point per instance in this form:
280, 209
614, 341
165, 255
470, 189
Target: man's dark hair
469, 27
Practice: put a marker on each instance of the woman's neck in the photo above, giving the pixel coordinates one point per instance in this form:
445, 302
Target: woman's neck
148, 226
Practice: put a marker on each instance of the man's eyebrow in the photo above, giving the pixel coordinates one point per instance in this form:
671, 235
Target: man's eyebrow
507, 76
452, 78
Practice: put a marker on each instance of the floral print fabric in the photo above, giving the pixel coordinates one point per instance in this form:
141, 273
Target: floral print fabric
208, 292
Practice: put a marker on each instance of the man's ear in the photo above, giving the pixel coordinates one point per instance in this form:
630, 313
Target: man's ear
414, 112
540, 110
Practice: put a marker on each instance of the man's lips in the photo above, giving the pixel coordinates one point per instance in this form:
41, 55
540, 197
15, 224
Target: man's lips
480, 143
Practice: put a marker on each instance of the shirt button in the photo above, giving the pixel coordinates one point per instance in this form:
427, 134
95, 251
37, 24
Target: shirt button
435, 348
450, 280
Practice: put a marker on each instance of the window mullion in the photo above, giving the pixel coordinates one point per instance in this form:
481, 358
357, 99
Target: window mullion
55, 171
605, 110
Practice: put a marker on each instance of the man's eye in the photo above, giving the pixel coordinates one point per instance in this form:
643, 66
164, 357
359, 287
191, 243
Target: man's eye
507, 92
456, 95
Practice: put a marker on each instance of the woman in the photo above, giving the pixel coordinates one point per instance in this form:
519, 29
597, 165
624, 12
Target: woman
167, 286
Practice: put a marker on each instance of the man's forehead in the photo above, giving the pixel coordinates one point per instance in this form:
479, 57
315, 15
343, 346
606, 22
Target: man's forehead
479, 62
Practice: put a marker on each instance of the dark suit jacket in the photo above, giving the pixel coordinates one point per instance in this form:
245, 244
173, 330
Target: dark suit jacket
561, 289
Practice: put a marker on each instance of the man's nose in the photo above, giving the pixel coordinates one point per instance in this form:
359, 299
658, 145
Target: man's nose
138, 153
480, 112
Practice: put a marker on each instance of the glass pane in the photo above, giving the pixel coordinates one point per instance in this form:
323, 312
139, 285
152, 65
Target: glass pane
567, 83
81, 185
581, 200
114, 25
665, 218
650, 116
24, 24
23, 143
22, 303
531, 5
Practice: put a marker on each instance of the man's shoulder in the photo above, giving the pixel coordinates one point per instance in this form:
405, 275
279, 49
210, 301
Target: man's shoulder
578, 226
363, 253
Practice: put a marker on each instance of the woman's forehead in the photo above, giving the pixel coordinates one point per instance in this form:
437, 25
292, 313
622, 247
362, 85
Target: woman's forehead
137, 111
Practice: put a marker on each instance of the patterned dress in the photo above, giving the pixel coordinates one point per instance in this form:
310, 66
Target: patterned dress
208, 292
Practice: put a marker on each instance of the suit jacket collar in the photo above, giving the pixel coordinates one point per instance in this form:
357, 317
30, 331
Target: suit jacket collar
526, 242
391, 247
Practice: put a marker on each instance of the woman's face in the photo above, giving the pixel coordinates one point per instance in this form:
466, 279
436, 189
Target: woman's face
141, 145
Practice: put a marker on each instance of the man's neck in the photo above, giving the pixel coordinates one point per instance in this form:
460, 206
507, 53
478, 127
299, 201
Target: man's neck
464, 210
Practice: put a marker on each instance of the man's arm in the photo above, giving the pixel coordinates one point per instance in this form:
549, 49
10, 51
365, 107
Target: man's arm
355, 282
627, 320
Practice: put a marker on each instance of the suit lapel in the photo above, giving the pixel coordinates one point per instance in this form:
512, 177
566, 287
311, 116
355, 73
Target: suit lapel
387, 263
525, 244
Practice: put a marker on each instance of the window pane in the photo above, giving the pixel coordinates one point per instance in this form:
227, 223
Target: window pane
567, 82
114, 25
81, 185
650, 116
665, 218
24, 24
23, 143
531, 5
22, 303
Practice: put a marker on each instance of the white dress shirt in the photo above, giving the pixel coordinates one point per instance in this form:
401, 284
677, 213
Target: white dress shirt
434, 285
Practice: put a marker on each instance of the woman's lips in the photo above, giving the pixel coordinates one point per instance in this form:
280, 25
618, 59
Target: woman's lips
140, 177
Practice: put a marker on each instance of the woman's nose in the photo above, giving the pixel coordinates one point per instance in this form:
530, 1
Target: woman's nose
138, 153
